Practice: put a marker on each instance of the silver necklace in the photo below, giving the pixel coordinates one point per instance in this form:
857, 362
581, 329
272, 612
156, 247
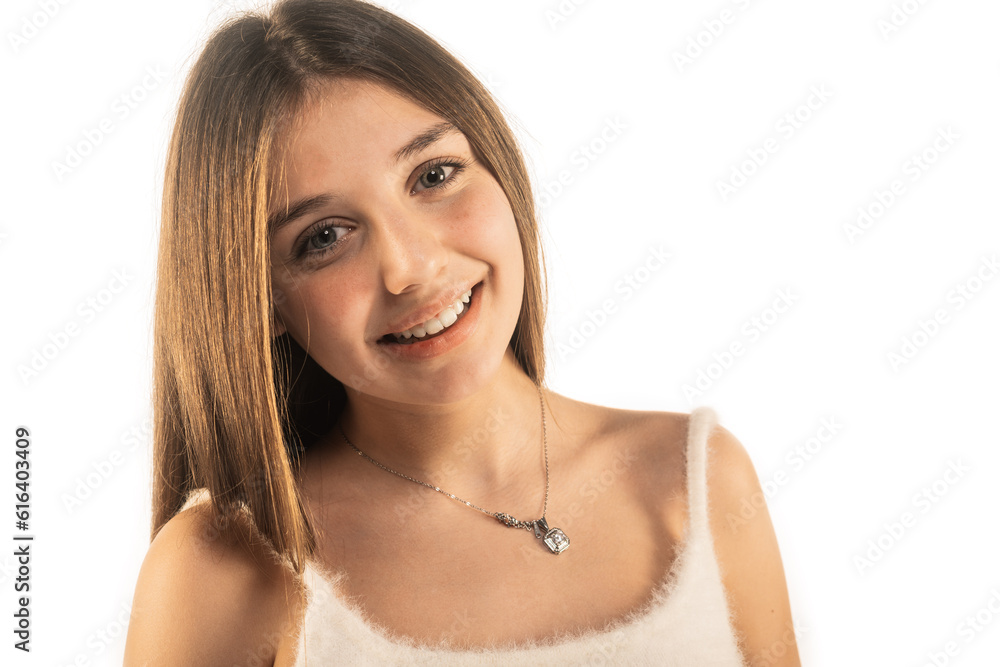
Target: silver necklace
554, 538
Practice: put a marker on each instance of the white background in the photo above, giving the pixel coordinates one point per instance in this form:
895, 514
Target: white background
683, 129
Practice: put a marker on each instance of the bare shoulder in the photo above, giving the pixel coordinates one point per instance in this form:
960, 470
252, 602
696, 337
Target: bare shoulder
209, 592
747, 551
653, 432
746, 548
646, 447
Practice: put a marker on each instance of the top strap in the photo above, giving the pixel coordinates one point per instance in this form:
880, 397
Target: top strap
701, 423
195, 497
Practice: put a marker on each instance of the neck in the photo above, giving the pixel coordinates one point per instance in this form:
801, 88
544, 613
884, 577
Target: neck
487, 442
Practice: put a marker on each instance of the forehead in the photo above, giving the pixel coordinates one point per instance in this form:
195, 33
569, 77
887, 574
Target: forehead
349, 120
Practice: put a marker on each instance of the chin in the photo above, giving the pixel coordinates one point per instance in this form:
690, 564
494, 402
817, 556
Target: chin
436, 384
449, 383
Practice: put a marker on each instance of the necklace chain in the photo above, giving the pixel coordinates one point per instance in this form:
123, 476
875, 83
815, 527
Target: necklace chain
503, 518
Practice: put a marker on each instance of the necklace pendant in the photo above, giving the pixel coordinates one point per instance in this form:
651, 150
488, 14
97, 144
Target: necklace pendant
553, 538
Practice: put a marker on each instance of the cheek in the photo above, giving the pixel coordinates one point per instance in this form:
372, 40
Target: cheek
327, 310
491, 236
484, 226
503, 235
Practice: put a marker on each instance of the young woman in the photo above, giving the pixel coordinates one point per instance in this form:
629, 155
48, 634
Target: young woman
356, 457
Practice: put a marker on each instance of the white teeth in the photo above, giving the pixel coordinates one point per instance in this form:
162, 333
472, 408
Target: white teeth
448, 316
433, 325
439, 322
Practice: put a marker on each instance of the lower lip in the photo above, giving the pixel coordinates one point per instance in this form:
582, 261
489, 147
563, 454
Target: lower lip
451, 338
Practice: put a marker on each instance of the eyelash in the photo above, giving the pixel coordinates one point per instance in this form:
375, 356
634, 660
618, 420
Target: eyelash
302, 251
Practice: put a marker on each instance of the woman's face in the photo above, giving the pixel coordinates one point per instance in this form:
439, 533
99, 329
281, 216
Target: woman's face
382, 219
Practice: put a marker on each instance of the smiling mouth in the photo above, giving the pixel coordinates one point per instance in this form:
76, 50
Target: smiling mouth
411, 336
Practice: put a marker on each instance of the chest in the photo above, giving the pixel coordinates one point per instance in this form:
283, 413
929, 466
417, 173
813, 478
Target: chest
428, 568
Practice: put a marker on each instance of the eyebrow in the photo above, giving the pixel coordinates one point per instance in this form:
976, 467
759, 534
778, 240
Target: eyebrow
306, 205
429, 136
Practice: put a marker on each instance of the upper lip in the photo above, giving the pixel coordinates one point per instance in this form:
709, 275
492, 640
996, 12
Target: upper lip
427, 310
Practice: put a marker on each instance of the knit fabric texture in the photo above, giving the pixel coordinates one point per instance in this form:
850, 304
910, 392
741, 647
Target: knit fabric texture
687, 622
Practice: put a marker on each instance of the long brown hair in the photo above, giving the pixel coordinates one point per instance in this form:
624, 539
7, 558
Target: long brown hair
234, 407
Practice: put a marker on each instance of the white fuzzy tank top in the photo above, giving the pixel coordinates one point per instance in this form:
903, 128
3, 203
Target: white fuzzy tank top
687, 623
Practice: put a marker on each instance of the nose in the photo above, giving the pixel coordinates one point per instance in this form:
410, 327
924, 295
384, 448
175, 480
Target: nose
410, 252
